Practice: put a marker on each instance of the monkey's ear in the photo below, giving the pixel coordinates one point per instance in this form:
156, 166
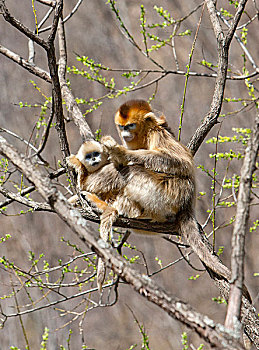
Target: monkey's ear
161, 120
150, 116
73, 161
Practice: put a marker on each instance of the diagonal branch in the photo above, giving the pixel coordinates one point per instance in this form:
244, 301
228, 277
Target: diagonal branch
235, 21
214, 333
20, 26
211, 118
48, 2
57, 15
37, 206
71, 104
25, 64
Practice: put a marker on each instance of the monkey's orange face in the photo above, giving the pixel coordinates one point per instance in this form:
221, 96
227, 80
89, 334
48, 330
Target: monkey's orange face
129, 128
127, 131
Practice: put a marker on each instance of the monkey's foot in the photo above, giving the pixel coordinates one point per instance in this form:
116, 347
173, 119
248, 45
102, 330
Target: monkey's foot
108, 217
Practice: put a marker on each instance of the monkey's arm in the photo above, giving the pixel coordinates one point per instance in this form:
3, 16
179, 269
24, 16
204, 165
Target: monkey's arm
74, 162
80, 169
164, 161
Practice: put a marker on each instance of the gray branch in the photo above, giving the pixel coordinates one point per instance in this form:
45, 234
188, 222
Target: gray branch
239, 231
212, 332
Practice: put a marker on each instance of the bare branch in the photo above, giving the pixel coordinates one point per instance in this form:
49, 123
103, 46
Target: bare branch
235, 21
25, 64
32, 188
218, 31
223, 48
239, 231
54, 26
47, 2
76, 7
19, 138
37, 206
20, 26
71, 104
244, 48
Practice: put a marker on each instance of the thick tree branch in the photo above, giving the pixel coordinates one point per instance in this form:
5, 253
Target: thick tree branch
54, 26
239, 231
218, 31
214, 333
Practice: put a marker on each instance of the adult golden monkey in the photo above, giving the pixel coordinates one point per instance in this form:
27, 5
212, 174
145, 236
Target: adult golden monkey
156, 174
150, 145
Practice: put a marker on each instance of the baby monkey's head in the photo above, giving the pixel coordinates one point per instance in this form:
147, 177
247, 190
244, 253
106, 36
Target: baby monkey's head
92, 155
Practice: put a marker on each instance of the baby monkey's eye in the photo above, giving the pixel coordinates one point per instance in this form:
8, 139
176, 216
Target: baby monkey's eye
88, 156
121, 127
96, 154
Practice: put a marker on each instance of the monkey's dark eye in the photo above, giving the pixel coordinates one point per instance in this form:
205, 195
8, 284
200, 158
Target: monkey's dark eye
132, 126
96, 154
121, 127
88, 156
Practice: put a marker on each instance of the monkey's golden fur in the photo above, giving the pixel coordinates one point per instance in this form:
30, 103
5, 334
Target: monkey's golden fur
151, 176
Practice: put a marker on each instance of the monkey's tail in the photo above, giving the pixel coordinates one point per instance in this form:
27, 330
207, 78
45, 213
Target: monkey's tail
194, 236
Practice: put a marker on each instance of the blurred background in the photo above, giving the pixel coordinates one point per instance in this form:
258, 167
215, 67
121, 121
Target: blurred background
93, 31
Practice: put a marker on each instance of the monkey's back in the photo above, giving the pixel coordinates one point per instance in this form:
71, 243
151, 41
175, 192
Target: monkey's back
160, 196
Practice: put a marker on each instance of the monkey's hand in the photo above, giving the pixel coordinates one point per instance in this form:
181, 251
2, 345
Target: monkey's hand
73, 162
117, 153
108, 141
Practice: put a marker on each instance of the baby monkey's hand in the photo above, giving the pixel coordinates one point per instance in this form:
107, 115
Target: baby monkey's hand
117, 153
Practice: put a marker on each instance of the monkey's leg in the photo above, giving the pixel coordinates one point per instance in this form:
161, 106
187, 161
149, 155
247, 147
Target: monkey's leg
97, 201
108, 217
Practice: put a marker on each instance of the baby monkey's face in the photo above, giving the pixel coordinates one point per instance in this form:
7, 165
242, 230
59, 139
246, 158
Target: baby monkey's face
91, 154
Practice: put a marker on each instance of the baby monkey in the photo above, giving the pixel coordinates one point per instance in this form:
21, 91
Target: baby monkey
101, 182
89, 158
92, 166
